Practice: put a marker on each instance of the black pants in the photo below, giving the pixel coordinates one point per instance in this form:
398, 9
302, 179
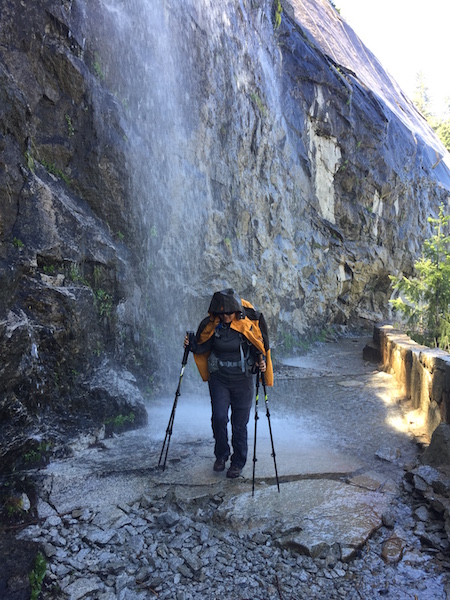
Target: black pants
239, 395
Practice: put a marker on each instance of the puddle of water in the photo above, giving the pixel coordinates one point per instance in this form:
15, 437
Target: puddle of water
302, 362
301, 444
193, 421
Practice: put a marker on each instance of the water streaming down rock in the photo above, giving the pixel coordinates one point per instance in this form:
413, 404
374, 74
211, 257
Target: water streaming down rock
154, 63
137, 62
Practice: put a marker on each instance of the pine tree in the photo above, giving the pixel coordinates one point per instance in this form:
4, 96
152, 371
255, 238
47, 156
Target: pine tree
422, 101
421, 96
425, 299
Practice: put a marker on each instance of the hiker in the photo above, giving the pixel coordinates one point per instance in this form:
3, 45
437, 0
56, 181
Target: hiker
229, 349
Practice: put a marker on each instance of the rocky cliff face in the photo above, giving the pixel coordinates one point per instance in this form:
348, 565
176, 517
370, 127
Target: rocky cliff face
154, 152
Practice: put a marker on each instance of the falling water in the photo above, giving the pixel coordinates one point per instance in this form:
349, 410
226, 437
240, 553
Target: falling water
176, 72
142, 51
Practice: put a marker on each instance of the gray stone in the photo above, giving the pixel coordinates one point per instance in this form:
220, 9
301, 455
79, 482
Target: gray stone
192, 560
82, 587
132, 594
168, 519
108, 595
438, 452
52, 521
121, 521
44, 509
82, 514
422, 513
388, 454
428, 474
136, 544
61, 570
388, 519
355, 514
49, 549
122, 581
242, 542
393, 549
99, 537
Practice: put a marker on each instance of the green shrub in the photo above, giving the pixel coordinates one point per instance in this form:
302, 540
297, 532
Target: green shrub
425, 299
104, 303
37, 576
120, 420
118, 424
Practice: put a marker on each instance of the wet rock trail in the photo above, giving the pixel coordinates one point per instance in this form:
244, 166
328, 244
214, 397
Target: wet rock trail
345, 523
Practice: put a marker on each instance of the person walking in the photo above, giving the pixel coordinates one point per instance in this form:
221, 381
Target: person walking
229, 349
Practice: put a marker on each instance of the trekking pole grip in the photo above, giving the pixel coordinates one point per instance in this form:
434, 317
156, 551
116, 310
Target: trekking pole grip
190, 335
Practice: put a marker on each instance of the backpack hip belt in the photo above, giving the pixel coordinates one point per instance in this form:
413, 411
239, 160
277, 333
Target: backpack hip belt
234, 363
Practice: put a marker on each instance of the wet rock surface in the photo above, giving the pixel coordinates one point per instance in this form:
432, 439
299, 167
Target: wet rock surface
349, 520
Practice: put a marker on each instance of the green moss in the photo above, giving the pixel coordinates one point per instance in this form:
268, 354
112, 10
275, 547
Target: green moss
227, 243
98, 69
76, 276
71, 130
13, 506
120, 420
277, 14
51, 168
30, 161
118, 423
38, 454
259, 103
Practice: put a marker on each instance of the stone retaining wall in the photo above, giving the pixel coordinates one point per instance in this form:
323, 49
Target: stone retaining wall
424, 374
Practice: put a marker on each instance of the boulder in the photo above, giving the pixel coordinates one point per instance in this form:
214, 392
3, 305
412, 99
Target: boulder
438, 452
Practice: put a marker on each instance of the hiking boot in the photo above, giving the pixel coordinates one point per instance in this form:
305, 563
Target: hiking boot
219, 465
233, 472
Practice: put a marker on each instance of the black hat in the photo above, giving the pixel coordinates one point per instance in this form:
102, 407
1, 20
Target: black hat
226, 301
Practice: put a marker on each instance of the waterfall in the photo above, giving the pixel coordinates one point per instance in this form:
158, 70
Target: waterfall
165, 62
143, 53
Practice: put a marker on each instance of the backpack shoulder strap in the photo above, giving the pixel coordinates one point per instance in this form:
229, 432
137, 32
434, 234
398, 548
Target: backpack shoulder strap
257, 316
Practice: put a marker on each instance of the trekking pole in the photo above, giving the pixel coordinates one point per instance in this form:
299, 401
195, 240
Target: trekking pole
256, 423
169, 429
263, 379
